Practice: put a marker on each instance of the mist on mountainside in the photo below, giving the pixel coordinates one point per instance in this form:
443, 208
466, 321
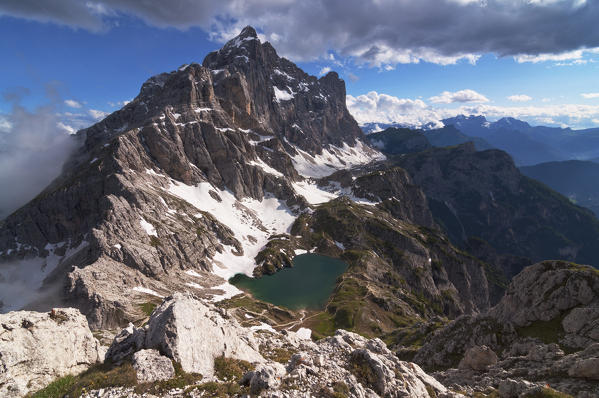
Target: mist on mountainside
33, 148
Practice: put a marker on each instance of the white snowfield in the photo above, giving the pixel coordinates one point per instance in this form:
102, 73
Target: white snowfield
228, 292
251, 221
333, 158
316, 195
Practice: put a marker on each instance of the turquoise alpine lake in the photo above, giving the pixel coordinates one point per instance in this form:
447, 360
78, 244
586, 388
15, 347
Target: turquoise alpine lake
308, 284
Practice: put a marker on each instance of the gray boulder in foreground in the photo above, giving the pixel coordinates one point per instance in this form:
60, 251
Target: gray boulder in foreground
38, 347
191, 333
150, 366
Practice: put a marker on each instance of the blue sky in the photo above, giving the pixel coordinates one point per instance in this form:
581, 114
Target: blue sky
97, 57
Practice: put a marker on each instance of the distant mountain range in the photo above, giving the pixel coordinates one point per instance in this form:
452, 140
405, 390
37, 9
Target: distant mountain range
398, 140
528, 145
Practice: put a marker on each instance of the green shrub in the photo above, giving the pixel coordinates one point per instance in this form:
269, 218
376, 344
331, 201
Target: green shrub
230, 369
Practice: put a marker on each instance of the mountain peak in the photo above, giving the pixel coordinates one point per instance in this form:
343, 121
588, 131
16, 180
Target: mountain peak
510, 122
248, 31
246, 36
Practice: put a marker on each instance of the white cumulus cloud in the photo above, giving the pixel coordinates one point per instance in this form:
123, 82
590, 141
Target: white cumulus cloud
519, 98
324, 70
97, 114
448, 97
73, 103
382, 108
590, 95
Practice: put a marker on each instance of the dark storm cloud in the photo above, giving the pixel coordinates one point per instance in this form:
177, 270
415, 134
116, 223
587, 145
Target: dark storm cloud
375, 31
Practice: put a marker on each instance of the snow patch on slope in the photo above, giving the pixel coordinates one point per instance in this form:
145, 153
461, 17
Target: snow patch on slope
145, 290
333, 158
315, 194
149, 228
252, 222
266, 168
283, 95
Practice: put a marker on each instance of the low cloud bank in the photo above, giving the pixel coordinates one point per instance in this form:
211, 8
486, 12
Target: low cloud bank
33, 148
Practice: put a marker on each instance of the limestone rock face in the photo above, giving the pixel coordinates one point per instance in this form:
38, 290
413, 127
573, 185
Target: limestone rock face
478, 358
546, 290
189, 332
36, 348
150, 366
448, 345
126, 343
543, 330
193, 334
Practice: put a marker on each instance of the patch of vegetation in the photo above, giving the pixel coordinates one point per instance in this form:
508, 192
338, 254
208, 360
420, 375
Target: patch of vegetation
322, 325
229, 369
410, 336
547, 392
96, 377
345, 303
487, 394
182, 379
339, 390
582, 268
58, 316
431, 391
214, 389
277, 354
57, 389
546, 331
148, 307
243, 301
107, 376
154, 241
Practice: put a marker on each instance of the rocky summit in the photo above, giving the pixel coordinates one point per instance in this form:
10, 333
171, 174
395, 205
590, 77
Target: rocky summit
239, 164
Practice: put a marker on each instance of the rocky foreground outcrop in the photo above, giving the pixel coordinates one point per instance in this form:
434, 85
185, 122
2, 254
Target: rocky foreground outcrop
195, 334
36, 348
189, 332
545, 330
